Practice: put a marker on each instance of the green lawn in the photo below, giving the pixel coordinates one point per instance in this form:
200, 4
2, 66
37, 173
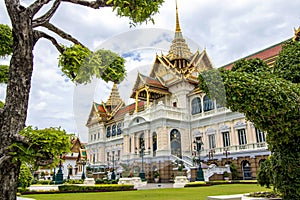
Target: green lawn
199, 193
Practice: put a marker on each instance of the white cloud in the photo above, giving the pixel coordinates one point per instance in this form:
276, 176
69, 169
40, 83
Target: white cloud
228, 29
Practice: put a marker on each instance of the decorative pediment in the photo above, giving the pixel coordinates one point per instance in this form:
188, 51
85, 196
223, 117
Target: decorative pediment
240, 125
210, 131
224, 128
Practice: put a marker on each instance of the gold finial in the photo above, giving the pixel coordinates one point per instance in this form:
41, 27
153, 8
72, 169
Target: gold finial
177, 20
297, 34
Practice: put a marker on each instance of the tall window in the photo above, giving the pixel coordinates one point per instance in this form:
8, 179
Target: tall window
260, 136
226, 139
208, 104
212, 141
242, 136
119, 154
114, 130
129, 145
196, 105
119, 129
154, 143
175, 138
141, 141
108, 131
107, 156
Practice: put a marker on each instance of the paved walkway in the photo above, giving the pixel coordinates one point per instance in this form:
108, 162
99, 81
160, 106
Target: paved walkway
23, 198
156, 186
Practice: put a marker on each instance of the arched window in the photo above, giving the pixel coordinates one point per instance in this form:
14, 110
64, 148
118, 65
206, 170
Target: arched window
108, 132
154, 143
246, 167
119, 129
208, 104
175, 138
114, 130
196, 105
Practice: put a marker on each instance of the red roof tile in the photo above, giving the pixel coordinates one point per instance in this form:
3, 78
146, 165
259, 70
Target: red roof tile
263, 54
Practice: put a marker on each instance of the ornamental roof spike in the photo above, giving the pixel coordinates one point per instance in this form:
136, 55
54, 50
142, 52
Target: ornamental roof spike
179, 48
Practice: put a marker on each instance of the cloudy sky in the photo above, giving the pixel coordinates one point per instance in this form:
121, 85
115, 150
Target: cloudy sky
227, 29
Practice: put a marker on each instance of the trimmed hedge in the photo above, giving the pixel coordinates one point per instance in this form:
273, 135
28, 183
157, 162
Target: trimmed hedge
197, 184
95, 188
209, 183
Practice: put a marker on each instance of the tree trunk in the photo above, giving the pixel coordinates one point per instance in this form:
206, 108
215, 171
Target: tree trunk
13, 117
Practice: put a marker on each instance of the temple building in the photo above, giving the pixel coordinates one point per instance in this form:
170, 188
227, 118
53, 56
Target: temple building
172, 120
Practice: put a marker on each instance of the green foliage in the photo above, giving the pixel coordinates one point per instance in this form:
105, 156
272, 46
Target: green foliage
6, 41
44, 145
137, 11
71, 60
74, 181
104, 64
1, 104
271, 100
95, 188
234, 172
253, 66
211, 83
286, 171
25, 176
80, 65
287, 65
4, 69
264, 174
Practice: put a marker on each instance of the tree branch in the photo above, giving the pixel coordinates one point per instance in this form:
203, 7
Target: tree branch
47, 16
40, 34
4, 158
21, 138
44, 162
92, 4
61, 33
37, 5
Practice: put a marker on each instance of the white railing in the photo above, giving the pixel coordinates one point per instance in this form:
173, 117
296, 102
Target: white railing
236, 148
213, 169
174, 158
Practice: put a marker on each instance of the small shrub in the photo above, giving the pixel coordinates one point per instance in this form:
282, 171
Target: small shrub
74, 181
99, 181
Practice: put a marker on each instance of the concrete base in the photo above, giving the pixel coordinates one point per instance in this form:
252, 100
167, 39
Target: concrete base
226, 197
180, 181
136, 181
89, 181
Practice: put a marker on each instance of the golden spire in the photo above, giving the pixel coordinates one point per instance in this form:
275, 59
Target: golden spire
177, 20
114, 98
179, 48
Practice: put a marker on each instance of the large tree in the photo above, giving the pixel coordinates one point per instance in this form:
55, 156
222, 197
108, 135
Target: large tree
270, 98
26, 23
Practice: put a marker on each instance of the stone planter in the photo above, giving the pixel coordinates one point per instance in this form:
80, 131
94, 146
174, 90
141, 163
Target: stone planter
180, 181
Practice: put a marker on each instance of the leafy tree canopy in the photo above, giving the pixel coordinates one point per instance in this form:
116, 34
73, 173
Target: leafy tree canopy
270, 98
4, 73
43, 147
79, 64
6, 40
138, 11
